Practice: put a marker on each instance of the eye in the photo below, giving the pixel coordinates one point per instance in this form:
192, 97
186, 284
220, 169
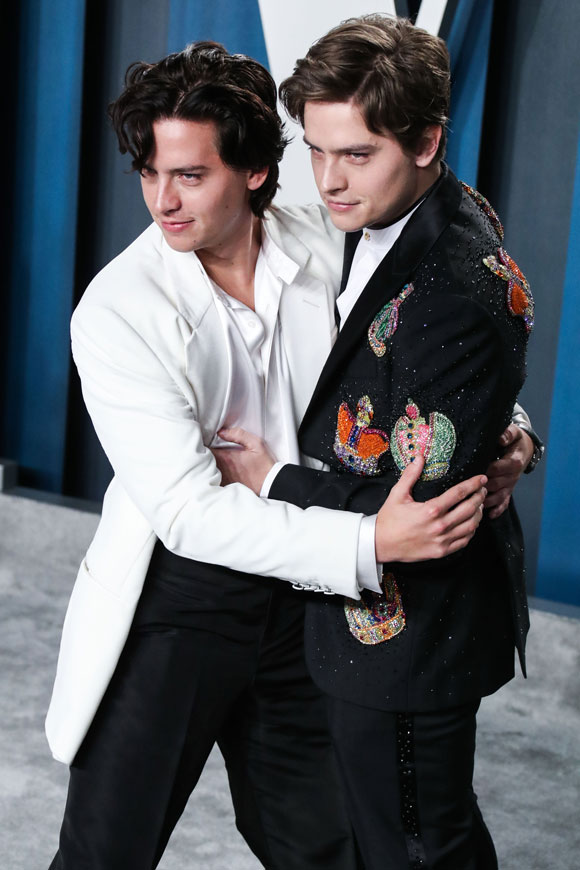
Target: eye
191, 177
147, 172
358, 156
315, 153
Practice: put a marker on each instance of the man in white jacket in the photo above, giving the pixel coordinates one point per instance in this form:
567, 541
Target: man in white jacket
220, 314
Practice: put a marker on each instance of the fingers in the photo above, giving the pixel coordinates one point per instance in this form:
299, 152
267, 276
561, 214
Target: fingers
460, 534
237, 435
468, 510
409, 477
497, 497
508, 464
500, 508
509, 435
495, 484
445, 502
466, 529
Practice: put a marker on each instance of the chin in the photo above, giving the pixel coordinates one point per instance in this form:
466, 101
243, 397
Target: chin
344, 222
183, 246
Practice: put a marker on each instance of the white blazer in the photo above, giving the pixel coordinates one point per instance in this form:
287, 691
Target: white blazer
155, 371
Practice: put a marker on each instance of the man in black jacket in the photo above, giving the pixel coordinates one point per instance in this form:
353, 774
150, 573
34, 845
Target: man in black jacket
434, 319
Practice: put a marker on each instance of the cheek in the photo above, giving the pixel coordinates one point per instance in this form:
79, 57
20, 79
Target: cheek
146, 195
316, 168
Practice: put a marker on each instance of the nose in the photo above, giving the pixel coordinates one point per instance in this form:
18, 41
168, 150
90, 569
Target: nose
167, 198
332, 178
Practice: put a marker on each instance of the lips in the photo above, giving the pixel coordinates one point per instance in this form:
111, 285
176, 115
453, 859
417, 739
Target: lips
340, 206
175, 226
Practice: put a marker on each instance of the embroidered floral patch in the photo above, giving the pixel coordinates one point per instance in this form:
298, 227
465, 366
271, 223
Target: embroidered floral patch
435, 440
357, 445
485, 206
519, 297
376, 618
385, 323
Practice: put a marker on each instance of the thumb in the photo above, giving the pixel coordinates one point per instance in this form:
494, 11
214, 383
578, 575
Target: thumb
410, 476
236, 435
508, 435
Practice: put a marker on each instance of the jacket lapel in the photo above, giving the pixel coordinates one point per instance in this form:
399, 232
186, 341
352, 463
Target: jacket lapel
307, 305
396, 269
208, 355
350, 244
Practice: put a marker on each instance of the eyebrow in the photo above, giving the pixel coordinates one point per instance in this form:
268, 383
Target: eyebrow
180, 170
197, 168
349, 149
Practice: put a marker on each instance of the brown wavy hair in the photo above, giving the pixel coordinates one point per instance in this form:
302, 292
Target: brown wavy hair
206, 83
397, 74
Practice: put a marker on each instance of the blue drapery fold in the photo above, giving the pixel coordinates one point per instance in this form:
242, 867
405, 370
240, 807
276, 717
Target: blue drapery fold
43, 242
558, 562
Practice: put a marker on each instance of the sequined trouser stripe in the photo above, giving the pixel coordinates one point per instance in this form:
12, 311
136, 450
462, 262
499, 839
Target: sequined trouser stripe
408, 791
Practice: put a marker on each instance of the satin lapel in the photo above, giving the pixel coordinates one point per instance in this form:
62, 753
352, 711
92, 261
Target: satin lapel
397, 268
350, 242
208, 350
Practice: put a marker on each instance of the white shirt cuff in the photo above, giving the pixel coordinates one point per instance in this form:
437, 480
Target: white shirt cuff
369, 572
269, 479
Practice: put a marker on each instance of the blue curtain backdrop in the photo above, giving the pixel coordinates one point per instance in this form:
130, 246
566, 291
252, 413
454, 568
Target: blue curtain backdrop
237, 25
558, 557
70, 208
43, 238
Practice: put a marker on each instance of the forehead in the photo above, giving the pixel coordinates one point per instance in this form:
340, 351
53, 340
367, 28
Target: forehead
184, 143
341, 128
338, 126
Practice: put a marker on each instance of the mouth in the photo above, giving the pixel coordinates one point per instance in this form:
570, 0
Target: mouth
340, 207
175, 226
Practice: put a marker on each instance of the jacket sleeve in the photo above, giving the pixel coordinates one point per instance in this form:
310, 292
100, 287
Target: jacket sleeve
152, 437
451, 360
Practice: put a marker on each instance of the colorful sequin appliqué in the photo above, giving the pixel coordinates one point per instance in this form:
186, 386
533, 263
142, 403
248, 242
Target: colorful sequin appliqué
376, 618
486, 207
385, 323
435, 441
519, 298
356, 444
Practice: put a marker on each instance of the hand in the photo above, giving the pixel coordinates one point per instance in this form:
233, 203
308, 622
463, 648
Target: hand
412, 531
248, 464
505, 472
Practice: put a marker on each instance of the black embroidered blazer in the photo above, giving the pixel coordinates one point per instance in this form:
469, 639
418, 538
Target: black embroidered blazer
431, 359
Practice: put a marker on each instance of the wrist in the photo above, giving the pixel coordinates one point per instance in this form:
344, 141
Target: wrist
539, 446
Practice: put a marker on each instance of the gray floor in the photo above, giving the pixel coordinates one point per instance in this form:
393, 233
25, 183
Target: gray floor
528, 769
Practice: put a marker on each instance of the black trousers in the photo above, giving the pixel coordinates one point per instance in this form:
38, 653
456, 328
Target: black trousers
408, 782
213, 656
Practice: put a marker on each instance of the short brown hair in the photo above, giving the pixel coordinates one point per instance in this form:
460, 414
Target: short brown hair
206, 83
396, 73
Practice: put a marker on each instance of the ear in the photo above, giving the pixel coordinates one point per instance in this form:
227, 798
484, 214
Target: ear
256, 179
428, 145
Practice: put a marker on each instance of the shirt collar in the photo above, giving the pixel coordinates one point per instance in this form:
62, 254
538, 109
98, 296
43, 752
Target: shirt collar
280, 265
381, 240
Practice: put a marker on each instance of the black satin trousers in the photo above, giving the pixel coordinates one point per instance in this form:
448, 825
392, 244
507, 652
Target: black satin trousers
408, 783
213, 656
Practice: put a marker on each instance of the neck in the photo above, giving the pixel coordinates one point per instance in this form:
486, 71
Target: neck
426, 179
233, 267
431, 174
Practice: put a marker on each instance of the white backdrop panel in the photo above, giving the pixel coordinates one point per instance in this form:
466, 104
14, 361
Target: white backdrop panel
289, 31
